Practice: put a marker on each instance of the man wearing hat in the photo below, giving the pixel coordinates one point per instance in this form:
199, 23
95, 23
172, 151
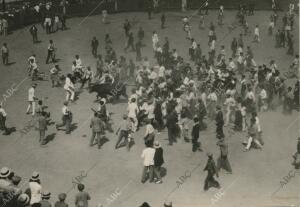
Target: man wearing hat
23, 200
45, 199
211, 171
31, 99
42, 127
4, 181
124, 132
158, 161
195, 135
223, 161
219, 122
66, 118
97, 127
35, 189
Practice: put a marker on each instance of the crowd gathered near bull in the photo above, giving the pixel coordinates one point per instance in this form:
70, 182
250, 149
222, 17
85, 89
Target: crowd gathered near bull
225, 87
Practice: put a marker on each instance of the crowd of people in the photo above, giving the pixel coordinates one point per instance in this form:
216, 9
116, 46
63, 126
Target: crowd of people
226, 88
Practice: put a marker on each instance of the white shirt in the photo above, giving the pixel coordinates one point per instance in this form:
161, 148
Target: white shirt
161, 71
150, 111
78, 62
2, 112
153, 75
256, 31
231, 65
132, 110
68, 84
36, 192
149, 129
155, 38
263, 94
212, 97
31, 94
148, 156
65, 110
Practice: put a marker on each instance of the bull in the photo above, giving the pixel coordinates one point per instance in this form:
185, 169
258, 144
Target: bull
108, 90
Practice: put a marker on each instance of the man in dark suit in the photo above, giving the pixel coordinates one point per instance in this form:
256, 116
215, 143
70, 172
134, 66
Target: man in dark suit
223, 161
97, 127
33, 31
219, 122
195, 135
172, 126
211, 171
42, 126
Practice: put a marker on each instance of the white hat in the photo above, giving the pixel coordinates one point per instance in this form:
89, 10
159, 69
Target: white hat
4, 172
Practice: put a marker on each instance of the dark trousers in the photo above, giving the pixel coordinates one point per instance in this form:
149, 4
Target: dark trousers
172, 135
42, 137
122, 134
146, 170
98, 135
50, 54
3, 125
219, 131
210, 182
66, 121
157, 172
34, 38
129, 44
196, 145
94, 51
5, 58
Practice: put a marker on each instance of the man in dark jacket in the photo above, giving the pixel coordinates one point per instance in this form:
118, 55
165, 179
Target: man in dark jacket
172, 126
33, 31
94, 45
211, 171
97, 127
219, 122
223, 161
158, 161
42, 126
195, 135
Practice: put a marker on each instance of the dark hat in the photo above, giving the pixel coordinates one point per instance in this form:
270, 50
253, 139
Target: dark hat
16, 179
145, 204
66, 102
62, 196
218, 107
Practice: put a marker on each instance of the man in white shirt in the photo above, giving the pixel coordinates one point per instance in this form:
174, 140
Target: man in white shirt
133, 110
69, 88
229, 103
155, 40
256, 34
66, 118
263, 99
31, 99
148, 161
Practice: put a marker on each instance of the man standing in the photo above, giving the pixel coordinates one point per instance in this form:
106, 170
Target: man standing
172, 126
69, 88
211, 171
33, 31
31, 99
94, 45
256, 34
50, 52
4, 51
148, 156
42, 126
133, 110
97, 127
223, 161
195, 135
219, 122
163, 20
124, 132
3, 120
66, 118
